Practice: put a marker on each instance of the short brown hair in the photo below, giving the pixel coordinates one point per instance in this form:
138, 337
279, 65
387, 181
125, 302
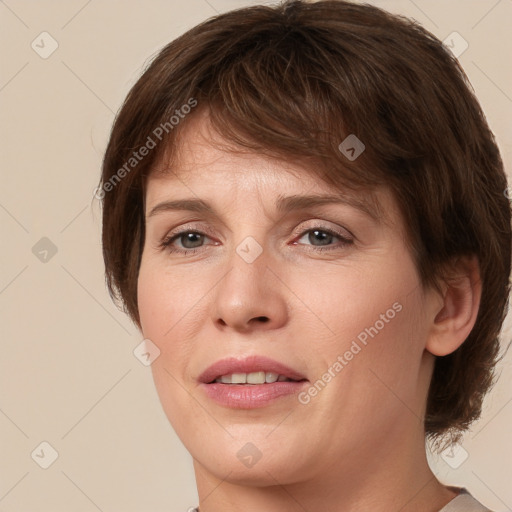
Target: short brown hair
294, 80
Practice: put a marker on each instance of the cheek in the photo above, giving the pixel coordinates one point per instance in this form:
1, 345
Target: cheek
377, 327
165, 299
172, 311
151, 297
365, 302
161, 306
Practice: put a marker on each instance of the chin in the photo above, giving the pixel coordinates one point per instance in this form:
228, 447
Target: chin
249, 457
264, 473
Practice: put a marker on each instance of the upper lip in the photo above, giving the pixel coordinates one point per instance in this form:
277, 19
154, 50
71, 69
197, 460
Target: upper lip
247, 365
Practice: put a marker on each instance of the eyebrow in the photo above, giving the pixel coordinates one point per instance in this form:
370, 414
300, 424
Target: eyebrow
283, 204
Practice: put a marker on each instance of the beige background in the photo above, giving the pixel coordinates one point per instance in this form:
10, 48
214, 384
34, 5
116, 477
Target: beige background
68, 375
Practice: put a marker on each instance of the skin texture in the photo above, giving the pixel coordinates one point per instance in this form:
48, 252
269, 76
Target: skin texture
359, 443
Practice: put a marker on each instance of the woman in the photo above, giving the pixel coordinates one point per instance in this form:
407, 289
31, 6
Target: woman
304, 214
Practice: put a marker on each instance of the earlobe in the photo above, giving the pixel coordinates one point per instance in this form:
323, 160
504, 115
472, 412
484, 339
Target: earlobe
459, 309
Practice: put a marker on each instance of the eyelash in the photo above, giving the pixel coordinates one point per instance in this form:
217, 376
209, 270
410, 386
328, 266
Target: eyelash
169, 239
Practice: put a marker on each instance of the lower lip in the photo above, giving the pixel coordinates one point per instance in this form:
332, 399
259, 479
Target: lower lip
250, 396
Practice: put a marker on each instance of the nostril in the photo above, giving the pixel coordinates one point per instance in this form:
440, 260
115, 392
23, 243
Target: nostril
262, 318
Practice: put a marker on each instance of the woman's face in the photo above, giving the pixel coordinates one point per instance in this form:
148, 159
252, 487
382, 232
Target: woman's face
262, 284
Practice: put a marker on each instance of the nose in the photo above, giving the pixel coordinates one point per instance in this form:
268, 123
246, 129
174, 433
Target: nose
251, 296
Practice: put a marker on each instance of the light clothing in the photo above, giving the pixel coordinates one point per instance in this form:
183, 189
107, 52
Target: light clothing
464, 502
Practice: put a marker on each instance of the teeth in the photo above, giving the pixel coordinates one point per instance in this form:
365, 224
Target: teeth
271, 377
256, 378
238, 378
252, 378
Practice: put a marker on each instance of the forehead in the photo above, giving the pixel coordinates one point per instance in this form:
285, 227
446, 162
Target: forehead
200, 151
201, 163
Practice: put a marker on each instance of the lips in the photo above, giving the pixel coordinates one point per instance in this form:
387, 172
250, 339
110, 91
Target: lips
249, 365
250, 383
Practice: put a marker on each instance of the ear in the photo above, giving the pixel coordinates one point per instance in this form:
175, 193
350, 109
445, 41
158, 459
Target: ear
455, 315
